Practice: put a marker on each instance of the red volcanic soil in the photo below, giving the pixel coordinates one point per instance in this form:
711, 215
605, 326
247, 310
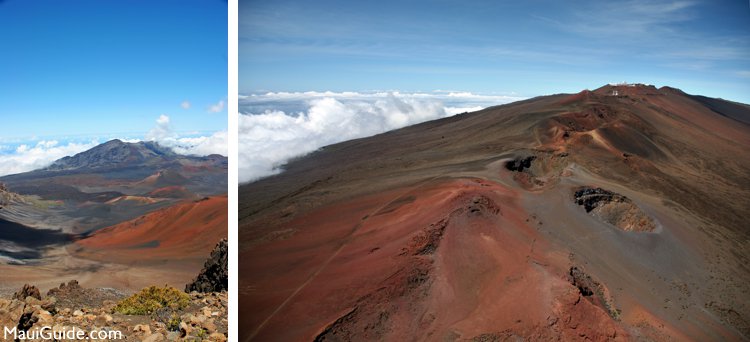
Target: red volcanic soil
591, 216
183, 231
445, 259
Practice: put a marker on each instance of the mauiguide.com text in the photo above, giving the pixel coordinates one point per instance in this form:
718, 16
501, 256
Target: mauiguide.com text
47, 333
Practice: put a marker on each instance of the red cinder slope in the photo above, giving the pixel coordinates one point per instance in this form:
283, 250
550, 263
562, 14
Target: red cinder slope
443, 259
183, 231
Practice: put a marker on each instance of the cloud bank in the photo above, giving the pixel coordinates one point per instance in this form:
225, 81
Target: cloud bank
275, 127
216, 143
28, 156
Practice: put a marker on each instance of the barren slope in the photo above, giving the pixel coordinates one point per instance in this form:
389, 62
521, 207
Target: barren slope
188, 230
479, 226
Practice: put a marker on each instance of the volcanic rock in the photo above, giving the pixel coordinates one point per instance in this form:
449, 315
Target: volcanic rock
30, 315
75, 297
614, 209
27, 291
519, 164
214, 276
582, 281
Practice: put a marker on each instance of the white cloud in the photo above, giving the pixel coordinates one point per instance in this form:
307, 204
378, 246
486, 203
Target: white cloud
27, 157
195, 145
269, 136
161, 131
163, 120
216, 143
456, 110
218, 107
185, 104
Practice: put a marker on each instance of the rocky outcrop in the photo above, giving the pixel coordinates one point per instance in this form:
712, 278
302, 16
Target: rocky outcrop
8, 197
70, 287
538, 169
593, 291
582, 281
519, 164
214, 276
28, 291
72, 295
614, 209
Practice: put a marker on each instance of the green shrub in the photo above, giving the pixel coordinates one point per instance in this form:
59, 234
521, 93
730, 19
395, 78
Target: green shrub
152, 298
174, 323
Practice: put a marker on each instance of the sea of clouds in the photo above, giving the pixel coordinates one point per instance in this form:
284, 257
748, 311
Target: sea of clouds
273, 127
277, 126
22, 155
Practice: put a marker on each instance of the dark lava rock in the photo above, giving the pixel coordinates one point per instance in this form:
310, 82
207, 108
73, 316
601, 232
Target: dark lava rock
26, 321
339, 330
519, 164
582, 281
214, 277
590, 198
28, 291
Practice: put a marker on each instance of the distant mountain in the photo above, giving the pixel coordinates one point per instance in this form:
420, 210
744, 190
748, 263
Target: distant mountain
619, 213
116, 159
115, 153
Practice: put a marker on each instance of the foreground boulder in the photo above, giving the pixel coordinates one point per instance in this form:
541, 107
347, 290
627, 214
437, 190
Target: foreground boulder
27, 291
214, 277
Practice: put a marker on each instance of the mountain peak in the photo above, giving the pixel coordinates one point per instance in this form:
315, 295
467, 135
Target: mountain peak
113, 153
114, 142
625, 89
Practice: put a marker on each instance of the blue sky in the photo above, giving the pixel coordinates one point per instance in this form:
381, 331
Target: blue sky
103, 67
313, 73
74, 74
509, 47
